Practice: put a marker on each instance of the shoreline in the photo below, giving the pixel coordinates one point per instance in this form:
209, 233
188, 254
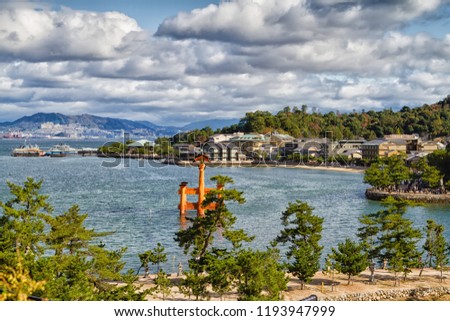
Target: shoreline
427, 198
270, 165
417, 287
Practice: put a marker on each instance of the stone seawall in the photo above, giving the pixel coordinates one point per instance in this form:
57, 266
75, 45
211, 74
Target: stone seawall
391, 294
376, 195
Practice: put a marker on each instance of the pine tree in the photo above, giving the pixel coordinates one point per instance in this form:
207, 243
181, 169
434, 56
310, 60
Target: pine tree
397, 169
368, 235
398, 242
302, 232
430, 242
16, 283
67, 233
349, 258
199, 237
220, 264
163, 284
145, 261
437, 246
378, 176
194, 284
22, 227
259, 275
158, 256
73, 267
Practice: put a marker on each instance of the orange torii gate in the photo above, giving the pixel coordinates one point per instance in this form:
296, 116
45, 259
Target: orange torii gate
201, 191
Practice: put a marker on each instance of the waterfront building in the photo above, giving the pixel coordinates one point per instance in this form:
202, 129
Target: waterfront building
430, 146
392, 144
352, 154
224, 151
380, 148
411, 141
342, 146
279, 140
219, 138
186, 151
248, 144
215, 151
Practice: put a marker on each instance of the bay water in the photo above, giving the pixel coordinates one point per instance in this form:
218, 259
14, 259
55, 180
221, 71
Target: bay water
138, 200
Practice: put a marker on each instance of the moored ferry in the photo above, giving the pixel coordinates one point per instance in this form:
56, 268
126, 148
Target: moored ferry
61, 150
27, 151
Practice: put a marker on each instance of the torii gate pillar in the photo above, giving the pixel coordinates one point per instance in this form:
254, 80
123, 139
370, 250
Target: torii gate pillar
201, 191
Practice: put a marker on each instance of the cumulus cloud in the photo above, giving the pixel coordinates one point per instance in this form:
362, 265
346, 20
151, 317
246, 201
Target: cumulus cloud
269, 22
41, 35
222, 60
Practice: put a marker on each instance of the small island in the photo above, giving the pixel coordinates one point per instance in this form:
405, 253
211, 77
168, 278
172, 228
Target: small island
422, 179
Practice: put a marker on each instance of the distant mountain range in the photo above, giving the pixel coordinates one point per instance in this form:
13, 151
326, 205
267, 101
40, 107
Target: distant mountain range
106, 123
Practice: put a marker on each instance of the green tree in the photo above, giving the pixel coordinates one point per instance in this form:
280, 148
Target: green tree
145, 261
368, 234
259, 275
194, 284
441, 160
157, 256
397, 169
199, 237
429, 174
398, 242
58, 251
378, 176
67, 232
436, 246
431, 231
302, 232
163, 147
16, 283
220, 264
349, 258
442, 251
163, 284
22, 225
387, 236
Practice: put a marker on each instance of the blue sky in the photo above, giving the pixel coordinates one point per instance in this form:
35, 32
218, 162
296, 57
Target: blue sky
177, 61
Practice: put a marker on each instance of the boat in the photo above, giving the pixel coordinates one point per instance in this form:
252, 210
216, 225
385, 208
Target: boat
61, 150
10, 135
27, 150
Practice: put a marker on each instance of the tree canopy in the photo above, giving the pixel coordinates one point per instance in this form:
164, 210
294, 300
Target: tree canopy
427, 120
56, 256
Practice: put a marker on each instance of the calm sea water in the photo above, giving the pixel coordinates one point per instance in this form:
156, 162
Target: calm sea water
139, 201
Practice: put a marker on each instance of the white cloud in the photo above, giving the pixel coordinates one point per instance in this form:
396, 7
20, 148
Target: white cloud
226, 60
271, 22
41, 35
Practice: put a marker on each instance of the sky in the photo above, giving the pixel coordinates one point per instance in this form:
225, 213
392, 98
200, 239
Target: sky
173, 62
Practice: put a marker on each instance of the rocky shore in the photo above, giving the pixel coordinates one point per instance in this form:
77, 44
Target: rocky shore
377, 195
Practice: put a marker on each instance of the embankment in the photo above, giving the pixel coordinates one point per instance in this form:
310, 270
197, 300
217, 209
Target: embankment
377, 195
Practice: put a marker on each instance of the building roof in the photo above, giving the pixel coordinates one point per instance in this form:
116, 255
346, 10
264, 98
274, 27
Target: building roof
375, 142
282, 136
401, 136
249, 137
140, 143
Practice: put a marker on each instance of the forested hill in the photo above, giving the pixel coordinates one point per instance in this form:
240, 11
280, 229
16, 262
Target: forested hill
428, 121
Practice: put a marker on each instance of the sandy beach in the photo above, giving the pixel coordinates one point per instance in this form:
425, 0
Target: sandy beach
245, 164
424, 287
